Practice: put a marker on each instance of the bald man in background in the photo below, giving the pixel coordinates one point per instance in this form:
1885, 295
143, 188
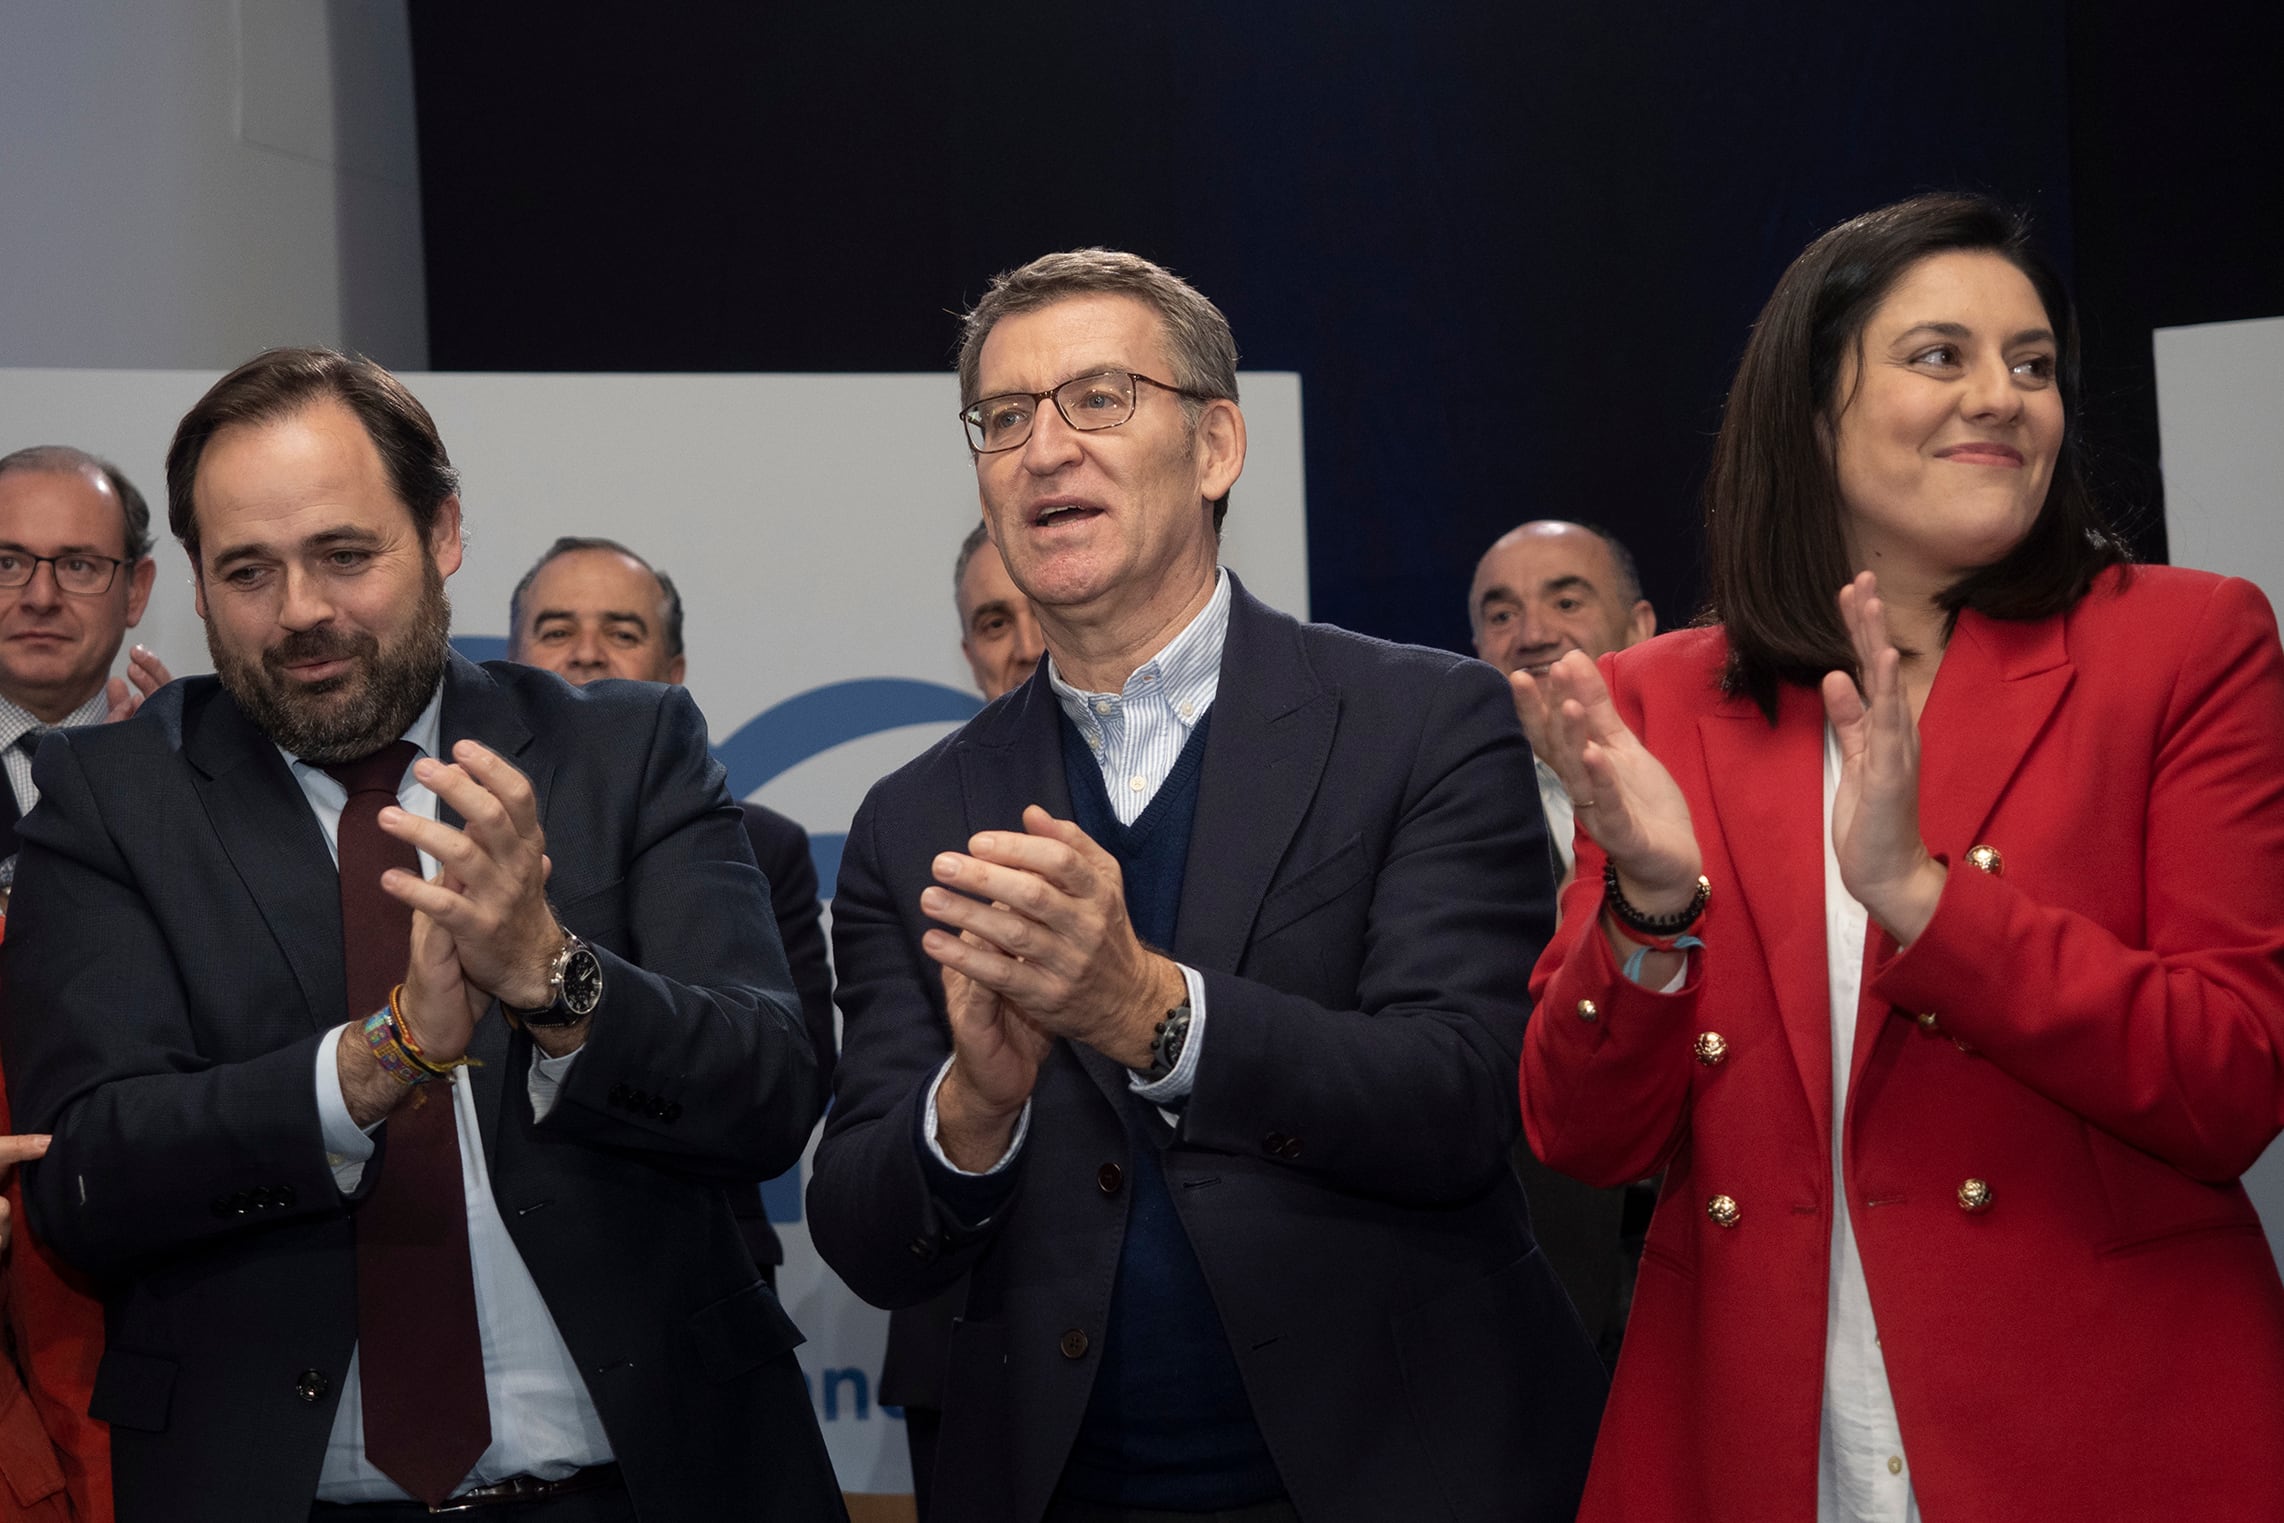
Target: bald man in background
1542, 590
591, 608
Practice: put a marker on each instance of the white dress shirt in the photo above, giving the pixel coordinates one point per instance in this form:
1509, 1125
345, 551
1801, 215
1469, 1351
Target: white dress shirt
1137, 734
543, 1422
1561, 818
1861, 1473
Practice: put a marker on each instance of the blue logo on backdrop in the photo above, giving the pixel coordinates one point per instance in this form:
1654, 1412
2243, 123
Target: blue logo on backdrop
780, 738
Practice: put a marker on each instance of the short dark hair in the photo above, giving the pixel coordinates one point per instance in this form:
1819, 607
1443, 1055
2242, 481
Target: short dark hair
978, 537
278, 383
671, 596
1775, 540
63, 457
1199, 344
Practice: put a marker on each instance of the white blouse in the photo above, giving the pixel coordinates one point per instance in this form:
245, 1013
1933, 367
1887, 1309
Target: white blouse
1861, 1473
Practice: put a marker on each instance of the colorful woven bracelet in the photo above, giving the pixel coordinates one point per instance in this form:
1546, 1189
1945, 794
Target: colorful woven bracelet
381, 1036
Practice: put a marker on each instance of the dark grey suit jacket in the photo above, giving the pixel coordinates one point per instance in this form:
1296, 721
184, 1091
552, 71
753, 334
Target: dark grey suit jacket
1366, 892
781, 850
174, 958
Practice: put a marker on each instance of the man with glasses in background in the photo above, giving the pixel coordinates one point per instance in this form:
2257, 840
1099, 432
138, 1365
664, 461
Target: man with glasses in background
75, 574
1183, 995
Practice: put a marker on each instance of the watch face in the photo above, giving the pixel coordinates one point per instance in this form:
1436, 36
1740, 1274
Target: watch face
582, 982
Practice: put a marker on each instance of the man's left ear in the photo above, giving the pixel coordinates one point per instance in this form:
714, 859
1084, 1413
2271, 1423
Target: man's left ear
1642, 622
675, 668
444, 536
139, 581
1220, 448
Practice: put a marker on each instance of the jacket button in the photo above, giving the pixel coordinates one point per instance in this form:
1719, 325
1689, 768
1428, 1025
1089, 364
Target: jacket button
1074, 1344
1274, 1143
312, 1386
1974, 1195
1587, 1012
1711, 1047
1927, 1021
1723, 1210
1108, 1178
922, 1249
1292, 1148
1986, 859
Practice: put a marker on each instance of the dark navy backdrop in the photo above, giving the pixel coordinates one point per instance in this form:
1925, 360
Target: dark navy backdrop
1512, 249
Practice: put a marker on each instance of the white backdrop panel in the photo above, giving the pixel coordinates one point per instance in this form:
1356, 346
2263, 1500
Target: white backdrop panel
810, 522
2220, 404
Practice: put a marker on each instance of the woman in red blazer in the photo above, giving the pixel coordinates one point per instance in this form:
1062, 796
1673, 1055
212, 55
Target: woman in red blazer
55, 1460
1964, 889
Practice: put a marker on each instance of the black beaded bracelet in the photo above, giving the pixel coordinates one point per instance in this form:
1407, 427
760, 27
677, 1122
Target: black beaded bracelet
1653, 925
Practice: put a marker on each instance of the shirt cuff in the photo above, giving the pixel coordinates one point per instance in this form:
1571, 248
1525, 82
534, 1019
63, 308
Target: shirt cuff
347, 1145
968, 1198
936, 1149
1177, 1085
545, 1081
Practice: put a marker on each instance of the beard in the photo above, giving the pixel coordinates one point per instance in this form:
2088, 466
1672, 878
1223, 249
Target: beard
353, 714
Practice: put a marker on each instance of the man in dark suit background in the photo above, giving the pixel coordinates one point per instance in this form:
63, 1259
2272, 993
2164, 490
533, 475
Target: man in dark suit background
590, 608
75, 576
593, 1030
1543, 589
1183, 993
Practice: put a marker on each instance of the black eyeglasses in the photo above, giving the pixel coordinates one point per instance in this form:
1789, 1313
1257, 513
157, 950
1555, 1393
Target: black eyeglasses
77, 572
1087, 402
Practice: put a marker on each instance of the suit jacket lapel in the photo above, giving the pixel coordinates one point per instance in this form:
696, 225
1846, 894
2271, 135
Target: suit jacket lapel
1999, 684
475, 709
1270, 736
1772, 820
263, 821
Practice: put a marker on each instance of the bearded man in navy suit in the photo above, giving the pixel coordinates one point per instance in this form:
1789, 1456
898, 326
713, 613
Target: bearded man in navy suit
1183, 993
371, 1250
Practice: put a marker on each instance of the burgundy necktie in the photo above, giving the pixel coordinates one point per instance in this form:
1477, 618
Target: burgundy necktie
420, 1357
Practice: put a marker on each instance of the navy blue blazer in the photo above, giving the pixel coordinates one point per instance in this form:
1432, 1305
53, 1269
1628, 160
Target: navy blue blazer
1366, 892
174, 958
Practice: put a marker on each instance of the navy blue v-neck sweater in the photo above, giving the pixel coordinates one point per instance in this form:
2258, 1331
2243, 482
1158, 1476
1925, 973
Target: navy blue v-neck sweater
1168, 1424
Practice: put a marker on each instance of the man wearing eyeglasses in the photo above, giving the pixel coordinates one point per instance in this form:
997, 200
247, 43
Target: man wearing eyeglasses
75, 573
1183, 991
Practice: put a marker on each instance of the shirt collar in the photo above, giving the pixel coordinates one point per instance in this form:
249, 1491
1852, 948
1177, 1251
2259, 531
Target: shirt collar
16, 721
1187, 670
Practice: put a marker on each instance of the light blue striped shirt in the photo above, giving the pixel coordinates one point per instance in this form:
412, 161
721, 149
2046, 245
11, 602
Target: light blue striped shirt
1137, 735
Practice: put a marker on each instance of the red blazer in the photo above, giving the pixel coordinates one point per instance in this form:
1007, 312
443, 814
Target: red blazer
49, 1447
2092, 1027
